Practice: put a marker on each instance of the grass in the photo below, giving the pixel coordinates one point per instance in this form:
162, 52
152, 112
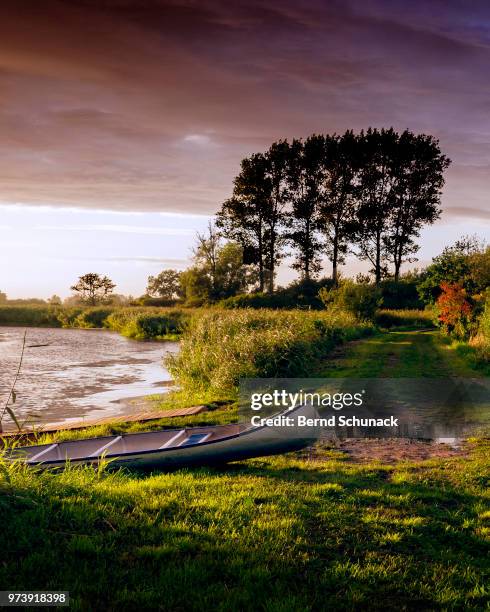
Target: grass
401, 354
295, 532
279, 534
150, 323
219, 347
219, 413
405, 320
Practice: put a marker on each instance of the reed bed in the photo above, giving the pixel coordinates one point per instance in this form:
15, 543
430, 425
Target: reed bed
145, 323
220, 347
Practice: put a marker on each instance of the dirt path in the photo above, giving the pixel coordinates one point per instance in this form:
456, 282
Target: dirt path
407, 354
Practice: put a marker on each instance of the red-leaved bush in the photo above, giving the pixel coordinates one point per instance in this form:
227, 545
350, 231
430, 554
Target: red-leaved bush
455, 310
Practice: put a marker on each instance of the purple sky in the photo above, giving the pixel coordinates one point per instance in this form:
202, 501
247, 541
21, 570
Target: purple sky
148, 106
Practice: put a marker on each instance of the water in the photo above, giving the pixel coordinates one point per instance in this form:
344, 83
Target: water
75, 374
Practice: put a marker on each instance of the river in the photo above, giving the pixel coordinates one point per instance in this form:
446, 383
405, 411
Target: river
74, 374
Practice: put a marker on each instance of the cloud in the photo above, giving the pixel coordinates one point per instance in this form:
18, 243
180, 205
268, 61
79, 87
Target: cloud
467, 212
167, 262
198, 139
150, 105
122, 229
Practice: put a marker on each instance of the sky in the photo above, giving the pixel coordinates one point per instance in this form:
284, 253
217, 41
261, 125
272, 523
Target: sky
123, 122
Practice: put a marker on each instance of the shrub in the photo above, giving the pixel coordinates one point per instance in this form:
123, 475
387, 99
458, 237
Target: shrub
31, 316
405, 318
301, 294
361, 300
455, 311
68, 316
92, 317
466, 263
255, 300
484, 325
218, 348
480, 342
147, 300
400, 295
146, 323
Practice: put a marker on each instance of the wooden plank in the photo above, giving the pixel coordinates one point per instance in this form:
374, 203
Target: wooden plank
138, 417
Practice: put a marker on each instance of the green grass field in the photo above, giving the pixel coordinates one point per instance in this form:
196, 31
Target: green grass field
302, 531
284, 533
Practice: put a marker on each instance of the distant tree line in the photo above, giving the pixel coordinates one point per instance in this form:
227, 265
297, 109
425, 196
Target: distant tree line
368, 193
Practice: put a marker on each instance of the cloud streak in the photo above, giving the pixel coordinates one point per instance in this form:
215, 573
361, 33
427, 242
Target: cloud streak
120, 229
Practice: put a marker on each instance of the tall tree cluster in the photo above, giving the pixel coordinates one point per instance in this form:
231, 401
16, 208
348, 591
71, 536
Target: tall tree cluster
368, 193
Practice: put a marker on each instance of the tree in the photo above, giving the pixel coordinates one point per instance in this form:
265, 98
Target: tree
3, 297
232, 276
225, 276
337, 195
466, 263
206, 254
418, 177
242, 217
304, 177
254, 215
399, 190
165, 285
195, 286
222, 263
93, 288
54, 300
375, 183
277, 164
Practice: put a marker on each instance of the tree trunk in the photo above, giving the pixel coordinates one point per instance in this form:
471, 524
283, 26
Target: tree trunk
398, 263
261, 274
271, 276
378, 258
335, 257
271, 266
261, 261
335, 253
307, 254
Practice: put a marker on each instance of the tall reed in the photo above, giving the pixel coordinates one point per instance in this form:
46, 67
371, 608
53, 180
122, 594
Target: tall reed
220, 347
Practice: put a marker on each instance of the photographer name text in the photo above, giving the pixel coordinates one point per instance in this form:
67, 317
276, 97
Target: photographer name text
332, 421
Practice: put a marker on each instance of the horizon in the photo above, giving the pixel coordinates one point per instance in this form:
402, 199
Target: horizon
115, 153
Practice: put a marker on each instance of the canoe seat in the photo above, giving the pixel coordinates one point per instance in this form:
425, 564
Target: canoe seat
105, 447
45, 451
195, 439
172, 439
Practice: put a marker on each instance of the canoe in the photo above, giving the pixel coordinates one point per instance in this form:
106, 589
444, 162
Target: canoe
193, 446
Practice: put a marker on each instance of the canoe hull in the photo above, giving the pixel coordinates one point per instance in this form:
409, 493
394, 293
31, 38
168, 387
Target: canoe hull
223, 451
146, 451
